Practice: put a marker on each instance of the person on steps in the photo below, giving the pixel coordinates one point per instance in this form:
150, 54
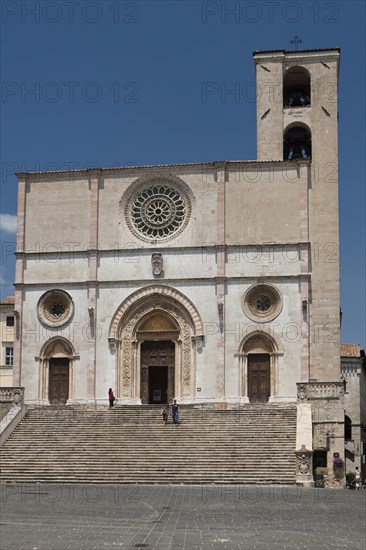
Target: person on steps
165, 413
111, 398
175, 412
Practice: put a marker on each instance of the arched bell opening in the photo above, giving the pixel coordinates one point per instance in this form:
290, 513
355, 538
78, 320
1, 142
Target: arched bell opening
296, 88
297, 143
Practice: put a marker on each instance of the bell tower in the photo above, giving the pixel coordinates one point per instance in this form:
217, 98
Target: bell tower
297, 122
297, 125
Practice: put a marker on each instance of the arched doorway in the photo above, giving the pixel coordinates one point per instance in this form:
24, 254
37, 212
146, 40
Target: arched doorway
258, 368
57, 360
157, 336
162, 314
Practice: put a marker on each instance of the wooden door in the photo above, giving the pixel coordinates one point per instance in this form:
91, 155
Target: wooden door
59, 381
259, 377
158, 357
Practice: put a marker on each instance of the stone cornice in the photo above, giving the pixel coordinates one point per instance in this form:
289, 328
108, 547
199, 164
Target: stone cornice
142, 282
146, 249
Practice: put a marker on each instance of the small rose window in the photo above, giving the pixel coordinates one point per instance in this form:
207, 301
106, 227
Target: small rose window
262, 303
55, 308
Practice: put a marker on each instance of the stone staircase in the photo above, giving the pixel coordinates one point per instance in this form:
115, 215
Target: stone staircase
130, 444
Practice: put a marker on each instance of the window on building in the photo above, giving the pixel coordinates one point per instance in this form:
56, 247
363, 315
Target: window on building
10, 321
9, 355
347, 428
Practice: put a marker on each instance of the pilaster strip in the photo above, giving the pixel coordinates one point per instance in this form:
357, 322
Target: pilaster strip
220, 286
19, 278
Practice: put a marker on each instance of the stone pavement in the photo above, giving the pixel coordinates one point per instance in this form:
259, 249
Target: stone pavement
180, 517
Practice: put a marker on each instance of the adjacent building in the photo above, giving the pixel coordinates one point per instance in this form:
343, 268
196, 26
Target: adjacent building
7, 322
353, 366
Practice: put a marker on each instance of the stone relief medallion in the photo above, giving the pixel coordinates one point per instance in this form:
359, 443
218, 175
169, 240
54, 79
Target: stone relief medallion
158, 208
55, 308
262, 303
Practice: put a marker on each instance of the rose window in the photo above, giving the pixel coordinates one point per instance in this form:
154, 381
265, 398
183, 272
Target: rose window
262, 303
158, 212
55, 308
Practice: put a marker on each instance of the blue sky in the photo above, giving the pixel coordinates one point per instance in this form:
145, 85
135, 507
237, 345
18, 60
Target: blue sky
112, 83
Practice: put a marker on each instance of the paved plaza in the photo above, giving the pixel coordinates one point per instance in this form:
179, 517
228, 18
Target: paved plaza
176, 517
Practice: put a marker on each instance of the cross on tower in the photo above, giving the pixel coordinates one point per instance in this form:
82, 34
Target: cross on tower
296, 41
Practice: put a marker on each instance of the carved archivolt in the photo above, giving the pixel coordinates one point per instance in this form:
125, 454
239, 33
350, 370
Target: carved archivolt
159, 291
132, 314
259, 341
57, 346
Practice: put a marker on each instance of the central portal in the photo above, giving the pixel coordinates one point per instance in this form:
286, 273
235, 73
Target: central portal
157, 372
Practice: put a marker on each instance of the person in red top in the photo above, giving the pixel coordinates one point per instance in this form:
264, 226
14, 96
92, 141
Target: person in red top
111, 398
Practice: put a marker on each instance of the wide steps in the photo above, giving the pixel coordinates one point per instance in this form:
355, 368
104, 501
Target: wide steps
130, 444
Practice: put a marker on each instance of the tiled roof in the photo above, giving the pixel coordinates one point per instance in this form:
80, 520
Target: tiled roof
8, 300
350, 350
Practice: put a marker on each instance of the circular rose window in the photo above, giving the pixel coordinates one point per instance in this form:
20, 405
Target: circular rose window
55, 308
262, 303
158, 211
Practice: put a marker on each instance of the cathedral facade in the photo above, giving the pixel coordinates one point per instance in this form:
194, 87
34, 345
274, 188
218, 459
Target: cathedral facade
209, 283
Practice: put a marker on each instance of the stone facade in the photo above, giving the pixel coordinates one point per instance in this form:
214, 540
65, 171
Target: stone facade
225, 273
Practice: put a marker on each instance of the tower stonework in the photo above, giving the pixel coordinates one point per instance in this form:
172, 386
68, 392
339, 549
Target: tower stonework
297, 117
214, 283
318, 72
